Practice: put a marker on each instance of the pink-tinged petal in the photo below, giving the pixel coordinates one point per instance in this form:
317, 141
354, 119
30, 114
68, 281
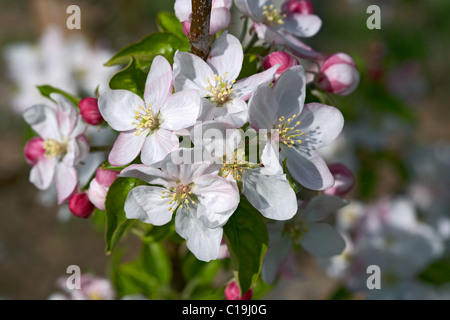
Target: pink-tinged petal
271, 195
290, 92
284, 59
34, 150
97, 194
215, 193
299, 49
117, 108
183, 9
191, 72
222, 3
126, 148
321, 124
226, 57
106, 177
244, 88
344, 180
252, 8
66, 181
150, 175
158, 86
181, 110
220, 19
263, 108
77, 150
147, 204
337, 58
66, 114
302, 25
323, 241
158, 145
80, 205
42, 174
42, 119
308, 168
232, 292
203, 242
186, 27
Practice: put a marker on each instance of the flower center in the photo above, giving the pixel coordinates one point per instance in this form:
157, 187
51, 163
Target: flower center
54, 148
297, 230
234, 164
146, 119
220, 89
179, 196
272, 16
288, 132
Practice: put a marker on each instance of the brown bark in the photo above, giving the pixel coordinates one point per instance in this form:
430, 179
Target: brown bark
199, 32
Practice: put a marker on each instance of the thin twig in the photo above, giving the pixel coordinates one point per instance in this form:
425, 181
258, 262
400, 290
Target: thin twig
199, 32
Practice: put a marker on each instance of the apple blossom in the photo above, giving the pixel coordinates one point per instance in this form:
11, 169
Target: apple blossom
279, 57
223, 97
148, 126
34, 150
232, 292
338, 74
220, 15
80, 206
294, 129
274, 26
344, 180
62, 131
89, 111
298, 6
202, 201
99, 186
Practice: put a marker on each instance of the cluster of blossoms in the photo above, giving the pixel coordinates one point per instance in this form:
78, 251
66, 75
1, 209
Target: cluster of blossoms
202, 139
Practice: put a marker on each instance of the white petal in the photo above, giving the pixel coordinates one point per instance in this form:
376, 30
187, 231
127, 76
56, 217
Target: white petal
117, 108
146, 204
66, 113
215, 193
149, 174
183, 10
181, 110
42, 174
323, 241
321, 124
322, 206
263, 108
220, 19
226, 57
77, 150
191, 72
97, 194
298, 48
211, 219
308, 168
203, 242
126, 148
290, 91
302, 25
66, 181
270, 194
43, 120
158, 86
158, 145
252, 8
244, 88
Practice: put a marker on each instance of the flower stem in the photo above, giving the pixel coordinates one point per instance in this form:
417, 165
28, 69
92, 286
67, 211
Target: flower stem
199, 32
251, 43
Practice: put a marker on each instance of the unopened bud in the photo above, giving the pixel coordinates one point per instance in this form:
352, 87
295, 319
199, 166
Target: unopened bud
344, 180
232, 292
80, 206
34, 150
99, 186
338, 75
279, 57
298, 6
89, 111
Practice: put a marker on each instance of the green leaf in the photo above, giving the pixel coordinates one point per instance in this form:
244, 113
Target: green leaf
437, 273
116, 221
159, 43
132, 78
168, 22
46, 90
294, 184
247, 239
159, 233
156, 262
249, 66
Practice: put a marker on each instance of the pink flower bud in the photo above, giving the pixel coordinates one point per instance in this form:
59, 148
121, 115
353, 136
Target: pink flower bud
298, 6
338, 75
343, 180
99, 186
34, 150
279, 57
89, 111
80, 206
232, 292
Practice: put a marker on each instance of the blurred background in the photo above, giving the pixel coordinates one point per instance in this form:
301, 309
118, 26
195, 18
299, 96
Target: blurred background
396, 139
